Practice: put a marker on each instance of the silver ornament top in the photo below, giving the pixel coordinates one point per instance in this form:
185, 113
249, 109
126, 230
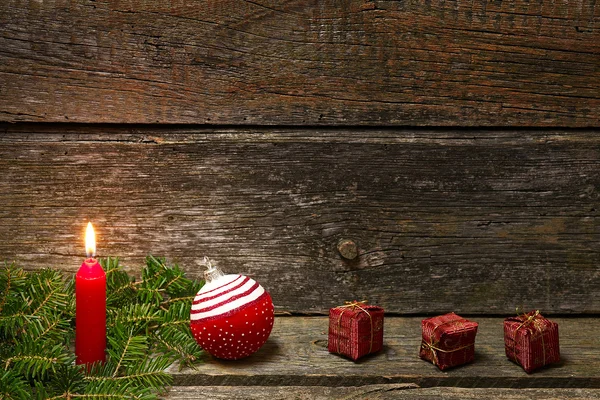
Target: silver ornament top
212, 273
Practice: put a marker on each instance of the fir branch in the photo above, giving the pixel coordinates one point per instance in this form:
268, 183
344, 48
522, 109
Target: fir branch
147, 373
148, 330
179, 344
135, 315
11, 280
69, 380
120, 287
174, 300
13, 386
176, 315
28, 362
46, 291
154, 268
49, 297
125, 346
49, 326
12, 325
112, 389
6, 282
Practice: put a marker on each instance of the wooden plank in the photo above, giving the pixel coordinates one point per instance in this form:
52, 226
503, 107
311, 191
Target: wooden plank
373, 392
296, 355
464, 220
342, 62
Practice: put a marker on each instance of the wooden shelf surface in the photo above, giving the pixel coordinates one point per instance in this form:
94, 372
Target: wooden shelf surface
296, 355
372, 392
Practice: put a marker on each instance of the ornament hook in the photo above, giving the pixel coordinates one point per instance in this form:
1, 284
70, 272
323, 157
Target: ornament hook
212, 272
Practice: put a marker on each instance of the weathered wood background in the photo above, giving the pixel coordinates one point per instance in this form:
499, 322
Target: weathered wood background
477, 222
454, 143
301, 62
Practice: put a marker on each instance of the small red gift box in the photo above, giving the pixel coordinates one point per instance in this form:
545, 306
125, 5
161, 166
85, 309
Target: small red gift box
355, 330
531, 340
448, 340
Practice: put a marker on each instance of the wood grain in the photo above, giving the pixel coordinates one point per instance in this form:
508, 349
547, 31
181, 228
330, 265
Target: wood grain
298, 62
373, 392
296, 355
471, 221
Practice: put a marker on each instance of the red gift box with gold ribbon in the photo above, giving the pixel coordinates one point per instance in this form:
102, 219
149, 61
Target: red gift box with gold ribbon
448, 340
355, 329
531, 340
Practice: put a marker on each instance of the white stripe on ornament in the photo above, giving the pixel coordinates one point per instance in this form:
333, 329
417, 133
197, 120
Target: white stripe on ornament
209, 303
237, 303
229, 282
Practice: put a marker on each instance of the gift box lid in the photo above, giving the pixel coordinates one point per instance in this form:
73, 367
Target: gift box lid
357, 310
448, 324
532, 323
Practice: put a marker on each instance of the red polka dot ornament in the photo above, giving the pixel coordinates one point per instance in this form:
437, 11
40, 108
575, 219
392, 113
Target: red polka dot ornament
232, 315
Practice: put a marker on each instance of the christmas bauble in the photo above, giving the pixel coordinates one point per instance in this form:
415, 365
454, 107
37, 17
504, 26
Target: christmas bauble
231, 316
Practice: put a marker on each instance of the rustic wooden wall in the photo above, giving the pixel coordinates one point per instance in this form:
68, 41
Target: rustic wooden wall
361, 62
441, 221
455, 143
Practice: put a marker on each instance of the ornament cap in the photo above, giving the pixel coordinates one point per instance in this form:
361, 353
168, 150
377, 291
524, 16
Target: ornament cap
212, 272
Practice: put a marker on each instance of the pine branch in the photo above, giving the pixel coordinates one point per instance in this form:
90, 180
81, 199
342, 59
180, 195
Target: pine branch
49, 283
121, 288
69, 380
36, 359
134, 315
126, 347
49, 326
178, 344
13, 386
111, 389
146, 373
11, 325
177, 315
11, 280
147, 330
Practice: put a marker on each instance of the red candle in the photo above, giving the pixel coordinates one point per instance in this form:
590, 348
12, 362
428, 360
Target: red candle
90, 306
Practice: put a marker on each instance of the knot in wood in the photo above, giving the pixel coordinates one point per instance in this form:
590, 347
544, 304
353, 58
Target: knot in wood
348, 249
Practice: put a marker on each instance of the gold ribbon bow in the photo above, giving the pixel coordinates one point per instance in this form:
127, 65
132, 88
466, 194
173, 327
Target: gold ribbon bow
353, 305
431, 345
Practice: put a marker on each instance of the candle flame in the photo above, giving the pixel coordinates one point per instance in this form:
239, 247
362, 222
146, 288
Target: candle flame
90, 241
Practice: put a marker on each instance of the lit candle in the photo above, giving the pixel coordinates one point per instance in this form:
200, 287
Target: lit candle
90, 306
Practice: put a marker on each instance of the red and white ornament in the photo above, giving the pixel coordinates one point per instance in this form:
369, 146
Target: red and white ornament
232, 315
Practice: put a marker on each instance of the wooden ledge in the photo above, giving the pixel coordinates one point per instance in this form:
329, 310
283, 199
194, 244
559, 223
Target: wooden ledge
372, 392
296, 355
